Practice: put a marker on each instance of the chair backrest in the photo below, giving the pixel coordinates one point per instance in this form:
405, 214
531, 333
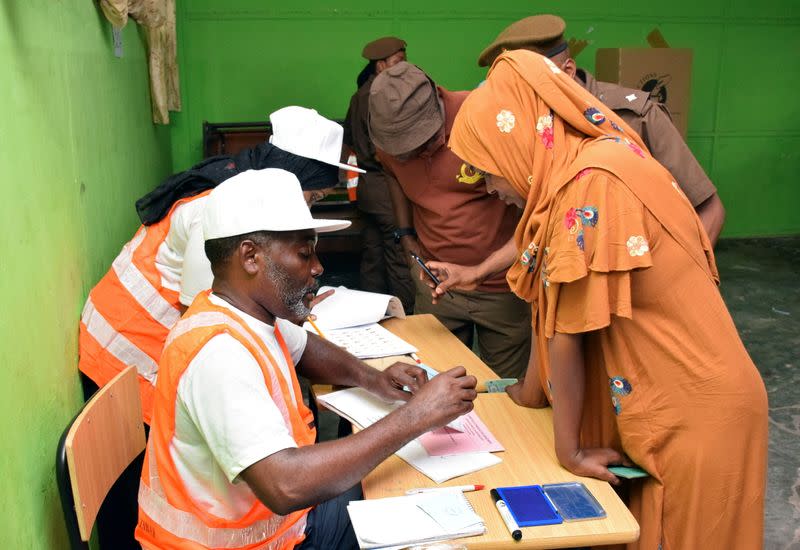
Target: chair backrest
105, 437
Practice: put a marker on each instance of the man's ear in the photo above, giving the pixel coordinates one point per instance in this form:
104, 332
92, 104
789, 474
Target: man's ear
570, 67
380, 66
248, 256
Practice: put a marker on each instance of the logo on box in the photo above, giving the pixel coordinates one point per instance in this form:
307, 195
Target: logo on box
655, 85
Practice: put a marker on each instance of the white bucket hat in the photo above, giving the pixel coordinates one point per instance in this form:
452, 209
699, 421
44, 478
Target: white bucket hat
260, 200
307, 133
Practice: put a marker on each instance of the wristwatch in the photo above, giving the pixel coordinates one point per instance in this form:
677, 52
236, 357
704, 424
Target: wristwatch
402, 232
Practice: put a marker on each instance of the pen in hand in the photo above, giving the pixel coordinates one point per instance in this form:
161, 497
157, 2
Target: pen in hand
316, 328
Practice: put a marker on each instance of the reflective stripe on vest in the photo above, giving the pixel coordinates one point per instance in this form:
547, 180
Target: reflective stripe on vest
213, 318
134, 281
189, 527
130, 311
116, 344
272, 531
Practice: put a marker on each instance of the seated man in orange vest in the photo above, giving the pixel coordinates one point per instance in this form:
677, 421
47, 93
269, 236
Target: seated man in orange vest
231, 461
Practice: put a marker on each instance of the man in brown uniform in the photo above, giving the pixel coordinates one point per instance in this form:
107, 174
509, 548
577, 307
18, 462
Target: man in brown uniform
544, 34
383, 265
441, 218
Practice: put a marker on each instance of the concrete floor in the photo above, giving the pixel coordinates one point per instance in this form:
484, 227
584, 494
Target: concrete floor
761, 285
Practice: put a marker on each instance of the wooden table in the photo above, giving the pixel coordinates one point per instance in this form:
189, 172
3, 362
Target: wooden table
529, 458
438, 347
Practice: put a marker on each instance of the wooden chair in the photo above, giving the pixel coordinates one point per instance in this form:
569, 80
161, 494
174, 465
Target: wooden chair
100, 443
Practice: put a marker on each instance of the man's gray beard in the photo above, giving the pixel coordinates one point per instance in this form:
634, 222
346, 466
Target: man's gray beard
292, 300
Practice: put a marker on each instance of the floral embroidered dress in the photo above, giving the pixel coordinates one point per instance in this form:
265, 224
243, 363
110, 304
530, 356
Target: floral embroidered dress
664, 360
610, 248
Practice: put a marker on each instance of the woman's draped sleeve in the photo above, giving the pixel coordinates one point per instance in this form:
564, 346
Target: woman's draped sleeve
599, 233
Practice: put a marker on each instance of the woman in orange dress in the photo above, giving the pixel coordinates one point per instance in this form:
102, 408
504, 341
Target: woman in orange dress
623, 285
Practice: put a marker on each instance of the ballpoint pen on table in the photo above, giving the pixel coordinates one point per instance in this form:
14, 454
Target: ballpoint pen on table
453, 488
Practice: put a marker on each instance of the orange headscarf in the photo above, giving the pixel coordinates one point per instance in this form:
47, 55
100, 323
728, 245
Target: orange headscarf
528, 124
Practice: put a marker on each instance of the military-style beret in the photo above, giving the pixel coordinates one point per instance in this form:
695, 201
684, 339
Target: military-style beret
524, 34
383, 48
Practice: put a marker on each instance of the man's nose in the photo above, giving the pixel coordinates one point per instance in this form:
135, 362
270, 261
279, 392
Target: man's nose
316, 267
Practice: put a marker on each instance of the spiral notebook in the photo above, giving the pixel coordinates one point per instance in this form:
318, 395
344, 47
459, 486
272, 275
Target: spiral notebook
412, 519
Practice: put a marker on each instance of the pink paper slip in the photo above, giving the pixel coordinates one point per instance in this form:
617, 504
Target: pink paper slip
476, 437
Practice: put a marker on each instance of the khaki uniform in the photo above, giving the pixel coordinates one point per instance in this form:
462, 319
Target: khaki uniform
383, 265
651, 120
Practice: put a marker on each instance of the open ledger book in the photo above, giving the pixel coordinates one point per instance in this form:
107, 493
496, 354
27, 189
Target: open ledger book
364, 409
396, 522
353, 308
349, 318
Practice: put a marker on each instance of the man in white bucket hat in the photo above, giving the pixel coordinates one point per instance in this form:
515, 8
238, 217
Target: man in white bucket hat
307, 133
232, 459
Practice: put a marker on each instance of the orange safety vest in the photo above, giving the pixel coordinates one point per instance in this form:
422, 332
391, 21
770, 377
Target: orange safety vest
168, 517
352, 179
129, 313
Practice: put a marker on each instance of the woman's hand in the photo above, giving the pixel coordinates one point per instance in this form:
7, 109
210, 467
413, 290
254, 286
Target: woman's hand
595, 463
458, 277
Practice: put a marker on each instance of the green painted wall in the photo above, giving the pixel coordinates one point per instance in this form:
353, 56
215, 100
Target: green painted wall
76, 149
247, 58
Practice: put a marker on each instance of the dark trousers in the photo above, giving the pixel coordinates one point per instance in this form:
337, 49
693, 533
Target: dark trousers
384, 268
329, 525
501, 321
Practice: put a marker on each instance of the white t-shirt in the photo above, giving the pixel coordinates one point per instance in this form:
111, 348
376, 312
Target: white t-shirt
225, 418
181, 258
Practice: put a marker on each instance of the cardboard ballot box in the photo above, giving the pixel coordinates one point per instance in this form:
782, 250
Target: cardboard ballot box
666, 73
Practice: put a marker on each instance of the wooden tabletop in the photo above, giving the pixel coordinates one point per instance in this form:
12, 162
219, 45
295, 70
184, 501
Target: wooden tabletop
529, 458
438, 347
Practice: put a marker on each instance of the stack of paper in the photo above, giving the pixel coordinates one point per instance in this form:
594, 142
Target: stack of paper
349, 318
425, 517
455, 458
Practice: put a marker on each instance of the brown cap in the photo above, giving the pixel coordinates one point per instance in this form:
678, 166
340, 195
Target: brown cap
404, 109
528, 33
383, 48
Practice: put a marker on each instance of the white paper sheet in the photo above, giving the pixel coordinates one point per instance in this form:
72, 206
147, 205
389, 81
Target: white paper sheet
369, 341
352, 308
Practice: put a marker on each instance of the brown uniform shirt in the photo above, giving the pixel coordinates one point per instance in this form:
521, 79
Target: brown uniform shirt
456, 221
356, 129
651, 120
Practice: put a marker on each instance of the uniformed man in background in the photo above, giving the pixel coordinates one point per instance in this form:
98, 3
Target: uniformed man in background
544, 34
383, 267
445, 214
